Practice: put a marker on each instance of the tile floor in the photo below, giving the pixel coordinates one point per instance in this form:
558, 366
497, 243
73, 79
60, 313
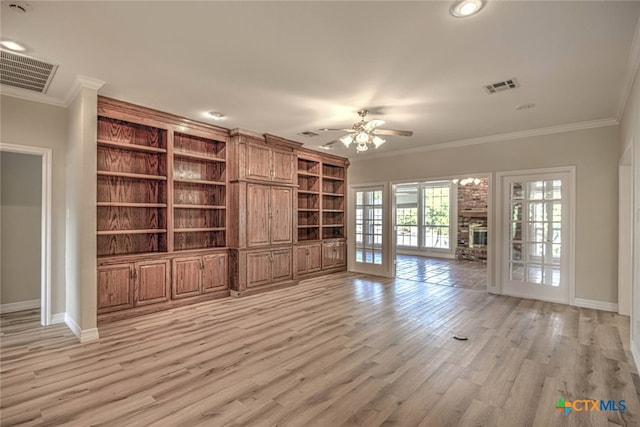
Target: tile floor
438, 271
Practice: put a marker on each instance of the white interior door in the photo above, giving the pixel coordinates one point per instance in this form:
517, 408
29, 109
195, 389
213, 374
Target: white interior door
370, 249
536, 235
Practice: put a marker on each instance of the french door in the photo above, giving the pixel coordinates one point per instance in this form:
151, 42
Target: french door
370, 214
535, 221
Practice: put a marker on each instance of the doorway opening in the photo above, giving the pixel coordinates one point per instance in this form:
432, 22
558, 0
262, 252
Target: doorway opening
18, 202
442, 231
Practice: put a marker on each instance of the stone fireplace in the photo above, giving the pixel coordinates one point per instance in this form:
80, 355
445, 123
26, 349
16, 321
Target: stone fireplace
472, 221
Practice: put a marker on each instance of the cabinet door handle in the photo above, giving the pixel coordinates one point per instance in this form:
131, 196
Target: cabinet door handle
201, 265
134, 273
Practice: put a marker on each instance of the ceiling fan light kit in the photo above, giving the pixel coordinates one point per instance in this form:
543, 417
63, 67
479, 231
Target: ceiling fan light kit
364, 133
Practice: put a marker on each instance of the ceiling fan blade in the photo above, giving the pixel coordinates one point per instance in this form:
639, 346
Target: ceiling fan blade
333, 129
330, 143
393, 132
372, 124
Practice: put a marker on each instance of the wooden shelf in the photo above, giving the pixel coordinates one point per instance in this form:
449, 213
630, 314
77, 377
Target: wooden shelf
131, 205
333, 195
333, 210
308, 192
145, 231
195, 230
187, 155
127, 146
308, 210
303, 173
199, 181
332, 178
183, 206
309, 226
333, 225
132, 175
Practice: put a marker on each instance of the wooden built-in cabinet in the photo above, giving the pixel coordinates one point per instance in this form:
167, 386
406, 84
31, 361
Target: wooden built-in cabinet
334, 254
134, 284
269, 215
188, 211
261, 192
308, 258
162, 191
321, 216
198, 275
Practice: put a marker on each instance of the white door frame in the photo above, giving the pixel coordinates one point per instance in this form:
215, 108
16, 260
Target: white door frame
500, 221
386, 269
492, 286
45, 241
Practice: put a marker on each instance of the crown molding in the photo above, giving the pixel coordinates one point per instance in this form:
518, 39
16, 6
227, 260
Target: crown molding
81, 83
31, 96
495, 138
633, 63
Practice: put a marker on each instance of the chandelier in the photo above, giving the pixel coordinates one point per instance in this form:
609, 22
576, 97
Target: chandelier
467, 181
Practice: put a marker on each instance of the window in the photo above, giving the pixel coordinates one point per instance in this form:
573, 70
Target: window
423, 215
436, 216
407, 217
369, 226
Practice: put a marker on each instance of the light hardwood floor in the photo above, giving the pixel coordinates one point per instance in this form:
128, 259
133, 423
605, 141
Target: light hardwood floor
343, 349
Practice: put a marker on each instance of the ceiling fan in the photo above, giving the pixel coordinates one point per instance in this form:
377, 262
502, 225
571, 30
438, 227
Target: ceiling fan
365, 133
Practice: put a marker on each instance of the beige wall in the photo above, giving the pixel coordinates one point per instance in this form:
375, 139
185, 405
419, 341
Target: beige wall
595, 154
20, 227
41, 125
630, 131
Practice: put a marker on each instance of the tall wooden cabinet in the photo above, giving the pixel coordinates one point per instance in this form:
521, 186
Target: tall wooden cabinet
162, 194
187, 211
261, 244
321, 213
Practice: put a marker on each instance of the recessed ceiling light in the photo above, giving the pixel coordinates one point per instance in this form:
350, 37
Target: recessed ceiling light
464, 8
11, 45
525, 106
215, 115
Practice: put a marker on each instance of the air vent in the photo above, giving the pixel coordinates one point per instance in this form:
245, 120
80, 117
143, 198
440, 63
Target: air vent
502, 86
24, 72
308, 134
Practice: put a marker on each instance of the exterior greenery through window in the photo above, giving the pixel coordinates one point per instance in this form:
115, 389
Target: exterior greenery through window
423, 215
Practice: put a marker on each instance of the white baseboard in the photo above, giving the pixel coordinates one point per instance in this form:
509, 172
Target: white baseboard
83, 335
57, 318
635, 352
19, 306
596, 305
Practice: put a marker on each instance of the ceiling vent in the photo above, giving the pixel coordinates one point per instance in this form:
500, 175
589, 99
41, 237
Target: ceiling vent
24, 72
308, 134
502, 86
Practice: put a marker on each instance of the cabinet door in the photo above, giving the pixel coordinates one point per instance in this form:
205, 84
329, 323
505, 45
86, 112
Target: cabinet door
281, 215
115, 287
187, 273
152, 282
257, 215
301, 259
314, 259
282, 265
258, 162
340, 257
214, 275
328, 255
258, 269
283, 166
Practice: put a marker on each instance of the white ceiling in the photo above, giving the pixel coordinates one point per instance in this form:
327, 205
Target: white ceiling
288, 67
